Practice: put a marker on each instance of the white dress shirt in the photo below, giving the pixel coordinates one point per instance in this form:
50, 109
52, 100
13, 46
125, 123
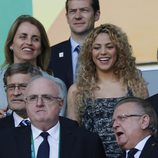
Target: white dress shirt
53, 140
140, 147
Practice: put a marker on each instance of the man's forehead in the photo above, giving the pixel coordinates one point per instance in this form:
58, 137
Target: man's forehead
18, 76
127, 106
84, 3
42, 84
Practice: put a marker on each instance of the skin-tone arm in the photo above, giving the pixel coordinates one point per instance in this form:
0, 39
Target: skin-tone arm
71, 103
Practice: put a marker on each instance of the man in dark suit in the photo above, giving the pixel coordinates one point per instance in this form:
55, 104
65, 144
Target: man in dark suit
75, 142
81, 16
65, 139
16, 78
135, 126
153, 100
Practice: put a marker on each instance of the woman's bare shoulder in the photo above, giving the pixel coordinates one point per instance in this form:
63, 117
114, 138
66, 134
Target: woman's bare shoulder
73, 88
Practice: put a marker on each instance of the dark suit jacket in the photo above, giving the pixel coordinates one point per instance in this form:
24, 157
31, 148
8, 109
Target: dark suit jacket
153, 100
61, 62
75, 142
7, 122
150, 149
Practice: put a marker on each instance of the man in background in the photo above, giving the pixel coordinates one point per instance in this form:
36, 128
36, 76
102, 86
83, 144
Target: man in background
135, 126
81, 17
153, 100
15, 80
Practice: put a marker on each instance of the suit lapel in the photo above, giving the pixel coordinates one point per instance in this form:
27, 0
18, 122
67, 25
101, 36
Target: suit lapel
23, 141
67, 140
150, 144
61, 62
68, 62
123, 155
7, 122
10, 121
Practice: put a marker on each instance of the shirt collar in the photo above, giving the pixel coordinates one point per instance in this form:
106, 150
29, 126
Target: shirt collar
74, 44
53, 132
17, 119
141, 144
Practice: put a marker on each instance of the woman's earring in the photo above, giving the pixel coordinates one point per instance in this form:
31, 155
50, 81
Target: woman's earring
11, 49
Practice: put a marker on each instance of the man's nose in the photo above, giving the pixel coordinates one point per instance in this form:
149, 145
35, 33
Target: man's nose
115, 123
78, 14
17, 91
39, 101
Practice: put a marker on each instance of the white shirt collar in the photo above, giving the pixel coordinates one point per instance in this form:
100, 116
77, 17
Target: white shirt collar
141, 144
74, 44
17, 119
53, 132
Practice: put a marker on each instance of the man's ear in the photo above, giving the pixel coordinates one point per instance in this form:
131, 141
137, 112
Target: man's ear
97, 15
61, 103
145, 121
66, 15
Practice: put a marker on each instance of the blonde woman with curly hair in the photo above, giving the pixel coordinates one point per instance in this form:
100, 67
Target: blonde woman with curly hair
107, 73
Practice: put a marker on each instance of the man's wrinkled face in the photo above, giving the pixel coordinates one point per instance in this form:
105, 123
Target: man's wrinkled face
15, 88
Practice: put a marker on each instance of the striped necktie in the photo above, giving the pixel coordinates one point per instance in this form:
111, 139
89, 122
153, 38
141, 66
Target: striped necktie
24, 123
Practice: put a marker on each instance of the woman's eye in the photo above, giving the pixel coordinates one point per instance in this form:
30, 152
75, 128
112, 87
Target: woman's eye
96, 48
36, 39
22, 37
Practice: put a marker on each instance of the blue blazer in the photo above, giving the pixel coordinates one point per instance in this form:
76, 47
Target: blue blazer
76, 142
61, 62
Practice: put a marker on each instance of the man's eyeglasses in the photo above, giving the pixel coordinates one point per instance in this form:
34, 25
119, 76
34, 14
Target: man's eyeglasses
11, 87
123, 117
47, 99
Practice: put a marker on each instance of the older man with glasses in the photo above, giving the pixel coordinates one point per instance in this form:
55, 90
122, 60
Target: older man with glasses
135, 125
49, 136
16, 78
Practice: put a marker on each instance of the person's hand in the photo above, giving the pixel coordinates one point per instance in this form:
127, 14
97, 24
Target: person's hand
3, 113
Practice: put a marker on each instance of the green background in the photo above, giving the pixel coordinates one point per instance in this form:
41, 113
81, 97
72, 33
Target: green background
9, 11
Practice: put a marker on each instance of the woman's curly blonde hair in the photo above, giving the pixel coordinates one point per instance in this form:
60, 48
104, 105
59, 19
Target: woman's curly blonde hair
124, 69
